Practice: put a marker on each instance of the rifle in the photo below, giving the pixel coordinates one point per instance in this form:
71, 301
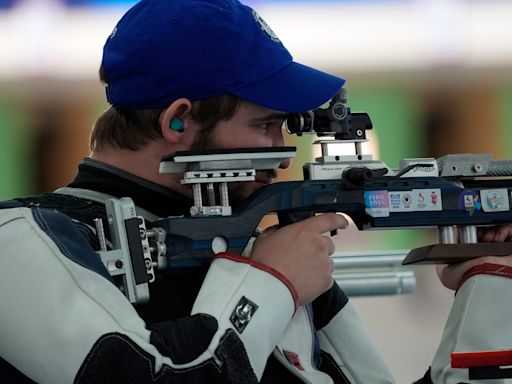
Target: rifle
455, 194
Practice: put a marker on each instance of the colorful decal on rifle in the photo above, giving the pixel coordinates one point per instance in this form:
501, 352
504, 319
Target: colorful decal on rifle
377, 203
469, 201
495, 200
427, 200
400, 201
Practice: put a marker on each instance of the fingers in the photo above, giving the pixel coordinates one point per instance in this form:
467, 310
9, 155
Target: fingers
330, 245
486, 235
302, 253
271, 229
495, 234
324, 223
451, 274
502, 233
439, 269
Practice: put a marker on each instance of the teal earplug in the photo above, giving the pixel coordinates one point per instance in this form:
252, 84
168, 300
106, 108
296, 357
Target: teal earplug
176, 125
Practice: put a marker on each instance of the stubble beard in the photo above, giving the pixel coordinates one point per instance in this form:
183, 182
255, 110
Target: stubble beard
238, 191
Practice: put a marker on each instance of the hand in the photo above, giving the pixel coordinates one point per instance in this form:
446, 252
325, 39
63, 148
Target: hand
451, 274
496, 234
301, 253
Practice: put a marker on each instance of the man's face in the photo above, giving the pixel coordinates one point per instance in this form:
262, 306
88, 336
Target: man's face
251, 126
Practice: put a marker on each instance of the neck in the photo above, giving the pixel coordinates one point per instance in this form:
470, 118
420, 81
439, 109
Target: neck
144, 163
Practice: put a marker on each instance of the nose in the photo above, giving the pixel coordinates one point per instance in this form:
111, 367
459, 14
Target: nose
285, 164
278, 141
278, 138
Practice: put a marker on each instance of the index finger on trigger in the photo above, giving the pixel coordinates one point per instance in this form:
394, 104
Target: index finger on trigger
325, 222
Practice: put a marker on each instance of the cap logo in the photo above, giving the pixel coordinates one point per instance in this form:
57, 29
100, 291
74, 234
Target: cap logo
264, 27
113, 33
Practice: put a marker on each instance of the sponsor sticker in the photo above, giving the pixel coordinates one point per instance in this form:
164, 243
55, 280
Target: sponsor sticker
495, 200
469, 201
377, 203
427, 199
400, 201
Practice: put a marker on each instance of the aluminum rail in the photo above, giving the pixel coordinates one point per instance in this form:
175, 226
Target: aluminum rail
373, 273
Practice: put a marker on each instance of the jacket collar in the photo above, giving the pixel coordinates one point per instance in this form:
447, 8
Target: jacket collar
105, 178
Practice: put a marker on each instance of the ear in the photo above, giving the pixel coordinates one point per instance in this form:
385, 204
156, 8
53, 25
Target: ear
179, 109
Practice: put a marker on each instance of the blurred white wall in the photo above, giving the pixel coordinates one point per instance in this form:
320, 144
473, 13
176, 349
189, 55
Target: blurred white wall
42, 38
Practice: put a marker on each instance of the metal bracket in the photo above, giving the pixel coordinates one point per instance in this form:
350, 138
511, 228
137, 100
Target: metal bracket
129, 262
220, 167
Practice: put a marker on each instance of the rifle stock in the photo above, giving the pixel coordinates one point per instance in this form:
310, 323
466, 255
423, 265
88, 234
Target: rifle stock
382, 202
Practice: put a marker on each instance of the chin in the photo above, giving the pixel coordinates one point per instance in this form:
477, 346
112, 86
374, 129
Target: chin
249, 189
241, 191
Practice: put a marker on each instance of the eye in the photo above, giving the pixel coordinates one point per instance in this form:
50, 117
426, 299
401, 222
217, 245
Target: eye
265, 125
269, 124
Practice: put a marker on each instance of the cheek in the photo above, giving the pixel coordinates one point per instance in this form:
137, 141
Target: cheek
241, 140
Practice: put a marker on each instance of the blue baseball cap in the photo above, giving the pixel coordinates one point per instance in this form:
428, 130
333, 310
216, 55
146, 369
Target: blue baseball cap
163, 50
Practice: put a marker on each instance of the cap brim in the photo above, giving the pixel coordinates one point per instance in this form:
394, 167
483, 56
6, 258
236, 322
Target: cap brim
295, 88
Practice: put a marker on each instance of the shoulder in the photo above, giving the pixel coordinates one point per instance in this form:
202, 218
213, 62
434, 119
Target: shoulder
33, 226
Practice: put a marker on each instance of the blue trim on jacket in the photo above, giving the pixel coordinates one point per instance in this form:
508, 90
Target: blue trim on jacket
65, 233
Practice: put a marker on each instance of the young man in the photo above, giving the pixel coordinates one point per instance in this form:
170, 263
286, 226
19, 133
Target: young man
185, 75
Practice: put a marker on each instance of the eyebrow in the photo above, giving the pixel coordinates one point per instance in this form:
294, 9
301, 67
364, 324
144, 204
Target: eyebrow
271, 116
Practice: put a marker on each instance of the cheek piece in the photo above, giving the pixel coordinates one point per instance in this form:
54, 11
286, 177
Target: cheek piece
176, 125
